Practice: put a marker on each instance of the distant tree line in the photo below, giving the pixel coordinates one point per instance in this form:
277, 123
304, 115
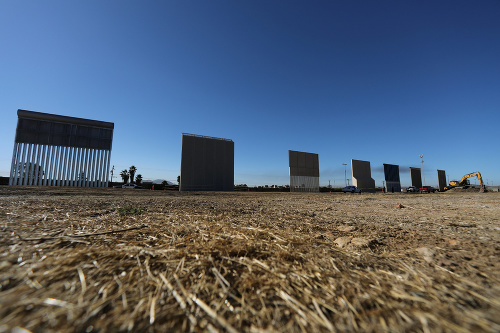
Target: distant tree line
129, 175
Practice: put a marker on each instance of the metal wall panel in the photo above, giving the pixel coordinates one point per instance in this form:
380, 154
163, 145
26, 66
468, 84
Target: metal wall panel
392, 182
442, 179
43, 132
304, 171
54, 150
362, 175
207, 163
416, 177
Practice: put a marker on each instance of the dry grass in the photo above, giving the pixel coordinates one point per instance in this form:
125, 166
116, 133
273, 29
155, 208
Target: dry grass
115, 260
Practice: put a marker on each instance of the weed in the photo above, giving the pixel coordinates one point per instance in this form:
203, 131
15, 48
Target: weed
129, 210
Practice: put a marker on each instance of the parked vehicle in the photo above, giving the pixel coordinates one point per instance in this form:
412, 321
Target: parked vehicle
412, 189
351, 189
427, 189
130, 186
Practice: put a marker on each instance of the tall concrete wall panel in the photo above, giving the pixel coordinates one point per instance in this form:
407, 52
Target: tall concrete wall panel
56, 130
416, 177
207, 164
362, 175
441, 179
49, 150
392, 181
304, 171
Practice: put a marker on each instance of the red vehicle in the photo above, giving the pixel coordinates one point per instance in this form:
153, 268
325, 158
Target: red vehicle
427, 189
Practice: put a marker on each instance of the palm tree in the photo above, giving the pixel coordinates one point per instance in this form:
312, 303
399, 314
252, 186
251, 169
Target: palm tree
131, 172
138, 179
124, 174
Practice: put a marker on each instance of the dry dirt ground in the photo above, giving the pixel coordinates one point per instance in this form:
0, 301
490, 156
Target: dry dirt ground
106, 260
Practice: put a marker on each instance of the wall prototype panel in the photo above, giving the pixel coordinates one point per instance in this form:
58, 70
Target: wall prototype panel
416, 177
54, 150
442, 180
362, 175
207, 163
392, 181
304, 171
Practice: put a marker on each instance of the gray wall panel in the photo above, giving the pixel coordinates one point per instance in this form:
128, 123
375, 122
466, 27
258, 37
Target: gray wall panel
38, 167
13, 166
391, 174
362, 175
393, 187
59, 150
31, 166
442, 179
26, 165
416, 177
304, 171
207, 164
21, 166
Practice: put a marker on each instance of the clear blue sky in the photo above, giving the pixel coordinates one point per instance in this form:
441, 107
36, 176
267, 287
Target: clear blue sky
382, 81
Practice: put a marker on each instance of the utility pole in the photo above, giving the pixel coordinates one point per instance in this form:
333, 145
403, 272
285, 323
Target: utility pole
345, 173
112, 170
423, 174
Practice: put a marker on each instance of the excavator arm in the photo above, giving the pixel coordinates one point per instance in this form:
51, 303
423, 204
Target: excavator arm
480, 179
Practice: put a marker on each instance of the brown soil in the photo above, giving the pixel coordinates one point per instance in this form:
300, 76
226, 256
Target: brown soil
103, 260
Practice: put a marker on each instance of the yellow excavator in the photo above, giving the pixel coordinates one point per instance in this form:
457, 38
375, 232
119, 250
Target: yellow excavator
465, 180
